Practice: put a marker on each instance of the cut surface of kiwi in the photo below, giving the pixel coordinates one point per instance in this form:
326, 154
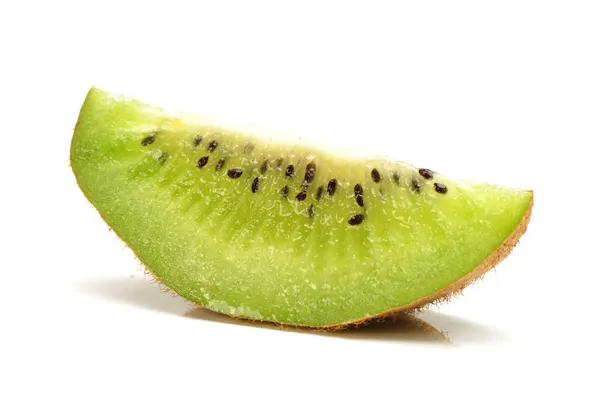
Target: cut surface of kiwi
279, 231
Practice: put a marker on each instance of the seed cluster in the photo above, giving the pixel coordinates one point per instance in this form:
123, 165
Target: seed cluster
264, 167
255, 185
235, 173
375, 175
358, 194
415, 184
319, 193
202, 161
331, 187
289, 171
356, 219
162, 158
440, 188
148, 140
212, 146
309, 176
301, 195
426, 173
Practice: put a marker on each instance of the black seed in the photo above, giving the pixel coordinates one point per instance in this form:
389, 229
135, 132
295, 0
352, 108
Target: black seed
248, 148
289, 171
375, 176
319, 192
358, 190
440, 188
426, 173
220, 164
396, 178
255, 185
234, 173
301, 195
264, 167
284, 191
358, 193
311, 211
356, 220
197, 140
162, 158
331, 186
310, 173
212, 146
148, 140
415, 185
202, 161
279, 163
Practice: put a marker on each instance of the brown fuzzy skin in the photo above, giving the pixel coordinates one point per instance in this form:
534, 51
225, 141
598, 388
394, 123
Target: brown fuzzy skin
440, 296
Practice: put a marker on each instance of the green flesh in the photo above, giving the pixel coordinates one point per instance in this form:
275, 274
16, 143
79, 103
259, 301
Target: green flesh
258, 255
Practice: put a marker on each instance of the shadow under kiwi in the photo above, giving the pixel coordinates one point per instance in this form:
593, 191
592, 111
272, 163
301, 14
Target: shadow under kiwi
426, 327
401, 327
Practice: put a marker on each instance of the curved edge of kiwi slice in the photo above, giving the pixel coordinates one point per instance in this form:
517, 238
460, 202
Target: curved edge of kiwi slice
443, 295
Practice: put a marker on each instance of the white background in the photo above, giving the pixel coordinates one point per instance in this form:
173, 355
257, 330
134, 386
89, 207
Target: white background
507, 92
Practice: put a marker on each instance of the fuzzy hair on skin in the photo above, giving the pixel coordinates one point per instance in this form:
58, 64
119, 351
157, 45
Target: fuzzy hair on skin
443, 296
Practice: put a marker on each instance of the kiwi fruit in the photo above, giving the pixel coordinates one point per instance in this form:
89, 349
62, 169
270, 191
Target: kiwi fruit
279, 231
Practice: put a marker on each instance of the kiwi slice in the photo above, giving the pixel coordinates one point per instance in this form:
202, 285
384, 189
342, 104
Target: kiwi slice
278, 231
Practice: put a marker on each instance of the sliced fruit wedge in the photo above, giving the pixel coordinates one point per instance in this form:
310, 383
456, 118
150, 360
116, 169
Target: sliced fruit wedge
278, 231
